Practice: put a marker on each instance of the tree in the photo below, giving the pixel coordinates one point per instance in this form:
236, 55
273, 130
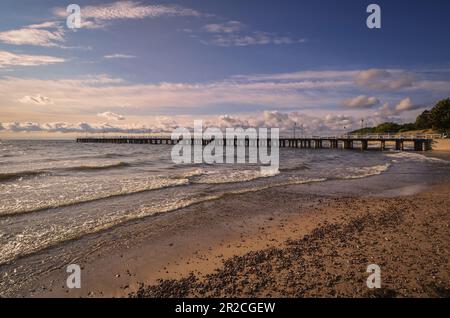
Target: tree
440, 115
423, 121
407, 127
387, 128
437, 118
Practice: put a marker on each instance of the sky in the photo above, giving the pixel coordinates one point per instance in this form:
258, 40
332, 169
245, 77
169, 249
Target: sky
141, 66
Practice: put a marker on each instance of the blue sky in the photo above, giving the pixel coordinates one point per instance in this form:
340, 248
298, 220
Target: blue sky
160, 64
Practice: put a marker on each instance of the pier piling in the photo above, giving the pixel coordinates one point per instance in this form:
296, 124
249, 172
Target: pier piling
347, 142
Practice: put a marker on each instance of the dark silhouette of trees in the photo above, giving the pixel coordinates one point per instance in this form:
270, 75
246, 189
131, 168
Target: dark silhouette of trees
440, 115
438, 118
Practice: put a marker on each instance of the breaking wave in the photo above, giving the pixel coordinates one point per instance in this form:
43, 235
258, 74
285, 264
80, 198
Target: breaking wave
415, 157
9, 176
363, 172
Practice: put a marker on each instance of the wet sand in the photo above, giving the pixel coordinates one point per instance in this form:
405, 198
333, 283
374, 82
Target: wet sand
408, 237
279, 242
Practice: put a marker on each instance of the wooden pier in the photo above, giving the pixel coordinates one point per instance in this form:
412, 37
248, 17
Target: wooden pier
380, 142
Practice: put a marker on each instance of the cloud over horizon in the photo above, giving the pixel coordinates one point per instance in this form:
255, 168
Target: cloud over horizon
13, 59
311, 92
361, 101
331, 123
402, 106
380, 79
36, 100
111, 116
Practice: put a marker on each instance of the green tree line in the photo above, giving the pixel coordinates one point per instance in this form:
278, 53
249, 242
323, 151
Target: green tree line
438, 119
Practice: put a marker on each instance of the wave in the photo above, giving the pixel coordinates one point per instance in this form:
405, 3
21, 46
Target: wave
415, 157
111, 155
26, 243
295, 168
99, 156
9, 176
72, 158
195, 176
154, 184
120, 164
363, 172
235, 176
193, 173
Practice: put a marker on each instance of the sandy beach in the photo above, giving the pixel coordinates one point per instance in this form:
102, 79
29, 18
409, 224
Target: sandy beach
279, 242
328, 250
197, 153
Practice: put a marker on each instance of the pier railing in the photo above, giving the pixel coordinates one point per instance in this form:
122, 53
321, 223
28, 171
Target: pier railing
343, 136
363, 142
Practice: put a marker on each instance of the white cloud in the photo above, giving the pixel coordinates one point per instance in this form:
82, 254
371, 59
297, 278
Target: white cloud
326, 124
361, 101
235, 33
82, 127
45, 25
384, 79
406, 105
436, 85
111, 116
36, 100
88, 80
313, 92
103, 91
48, 34
306, 124
119, 56
302, 75
97, 16
93, 24
135, 10
252, 38
224, 121
299, 90
12, 59
329, 124
227, 27
385, 110
402, 106
61, 127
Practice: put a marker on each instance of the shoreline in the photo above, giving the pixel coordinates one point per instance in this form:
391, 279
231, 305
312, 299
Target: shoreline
199, 239
406, 236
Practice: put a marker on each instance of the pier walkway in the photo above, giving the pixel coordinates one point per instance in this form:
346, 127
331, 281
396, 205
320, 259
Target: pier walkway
381, 142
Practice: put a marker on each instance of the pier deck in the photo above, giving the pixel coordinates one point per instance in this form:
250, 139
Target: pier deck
381, 142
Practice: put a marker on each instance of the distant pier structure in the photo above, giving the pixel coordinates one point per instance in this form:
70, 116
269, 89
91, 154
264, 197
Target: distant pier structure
380, 142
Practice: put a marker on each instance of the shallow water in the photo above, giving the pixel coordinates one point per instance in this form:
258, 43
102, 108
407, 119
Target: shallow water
54, 191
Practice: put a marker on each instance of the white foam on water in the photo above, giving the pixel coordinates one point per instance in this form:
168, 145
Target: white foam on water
29, 195
40, 236
363, 172
415, 157
233, 176
50, 166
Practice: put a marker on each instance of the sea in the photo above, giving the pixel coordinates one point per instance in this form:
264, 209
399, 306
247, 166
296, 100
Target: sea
55, 191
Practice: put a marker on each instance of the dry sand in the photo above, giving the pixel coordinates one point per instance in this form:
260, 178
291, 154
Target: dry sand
441, 145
